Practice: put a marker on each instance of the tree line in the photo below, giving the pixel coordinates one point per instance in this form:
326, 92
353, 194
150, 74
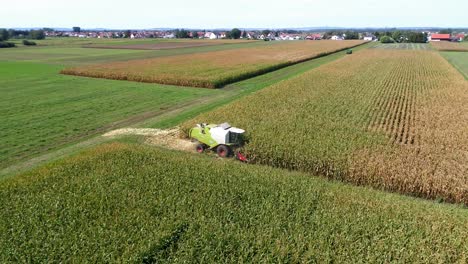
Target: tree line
399, 36
235, 33
21, 34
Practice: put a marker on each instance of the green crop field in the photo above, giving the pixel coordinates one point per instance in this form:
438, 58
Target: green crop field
127, 203
459, 60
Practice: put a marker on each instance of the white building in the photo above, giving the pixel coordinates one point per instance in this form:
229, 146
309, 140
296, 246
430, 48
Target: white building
336, 37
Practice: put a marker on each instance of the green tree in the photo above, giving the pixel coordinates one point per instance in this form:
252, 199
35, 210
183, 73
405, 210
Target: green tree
351, 35
244, 34
37, 34
386, 39
77, 29
266, 32
127, 34
194, 34
181, 33
416, 37
235, 33
397, 36
466, 38
4, 34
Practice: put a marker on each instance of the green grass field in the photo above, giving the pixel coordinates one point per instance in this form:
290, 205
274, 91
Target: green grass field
127, 203
459, 60
404, 46
42, 110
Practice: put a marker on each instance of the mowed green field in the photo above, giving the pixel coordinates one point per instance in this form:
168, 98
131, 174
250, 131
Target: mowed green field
404, 46
127, 203
459, 60
42, 110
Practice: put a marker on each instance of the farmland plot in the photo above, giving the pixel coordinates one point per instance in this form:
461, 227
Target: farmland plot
213, 69
160, 45
126, 203
450, 46
395, 120
404, 46
459, 60
41, 110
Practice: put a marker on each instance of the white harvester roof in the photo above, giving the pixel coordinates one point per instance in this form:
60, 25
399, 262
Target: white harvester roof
227, 126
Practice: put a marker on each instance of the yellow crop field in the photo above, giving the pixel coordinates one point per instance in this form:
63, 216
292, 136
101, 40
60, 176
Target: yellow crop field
392, 119
213, 69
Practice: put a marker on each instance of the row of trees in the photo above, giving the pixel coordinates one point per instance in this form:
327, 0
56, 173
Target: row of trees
401, 37
21, 34
348, 34
233, 34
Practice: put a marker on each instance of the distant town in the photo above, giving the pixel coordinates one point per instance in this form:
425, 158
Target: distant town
395, 35
273, 35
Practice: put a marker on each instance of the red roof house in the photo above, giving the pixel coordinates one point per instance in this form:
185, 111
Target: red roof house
439, 37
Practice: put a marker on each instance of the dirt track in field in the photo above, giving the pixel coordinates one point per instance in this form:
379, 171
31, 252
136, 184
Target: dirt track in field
169, 138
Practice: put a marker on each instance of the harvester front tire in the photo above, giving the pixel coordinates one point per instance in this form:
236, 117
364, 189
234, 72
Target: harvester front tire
199, 148
223, 151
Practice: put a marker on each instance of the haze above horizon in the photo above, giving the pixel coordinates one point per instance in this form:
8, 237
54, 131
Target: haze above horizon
141, 14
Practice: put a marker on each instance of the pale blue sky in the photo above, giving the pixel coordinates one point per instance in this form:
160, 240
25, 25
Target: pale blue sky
226, 14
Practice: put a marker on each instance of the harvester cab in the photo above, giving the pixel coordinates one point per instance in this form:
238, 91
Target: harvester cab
221, 138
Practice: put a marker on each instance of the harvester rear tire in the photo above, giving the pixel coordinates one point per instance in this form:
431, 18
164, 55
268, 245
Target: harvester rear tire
223, 151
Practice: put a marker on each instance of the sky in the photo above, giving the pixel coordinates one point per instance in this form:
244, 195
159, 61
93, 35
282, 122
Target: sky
206, 14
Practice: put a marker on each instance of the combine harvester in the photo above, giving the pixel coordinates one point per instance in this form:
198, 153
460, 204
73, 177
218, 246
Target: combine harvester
222, 138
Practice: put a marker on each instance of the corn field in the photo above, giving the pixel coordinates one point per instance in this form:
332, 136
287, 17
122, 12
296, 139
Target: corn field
392, 119
121, 203
213, 69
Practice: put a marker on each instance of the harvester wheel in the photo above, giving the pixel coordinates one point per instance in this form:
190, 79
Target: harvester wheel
200, 148
223, 151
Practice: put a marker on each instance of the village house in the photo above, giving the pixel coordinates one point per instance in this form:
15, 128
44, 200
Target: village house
439, 37
210, 35
336, 37
314, 37
369, 37
460, 37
